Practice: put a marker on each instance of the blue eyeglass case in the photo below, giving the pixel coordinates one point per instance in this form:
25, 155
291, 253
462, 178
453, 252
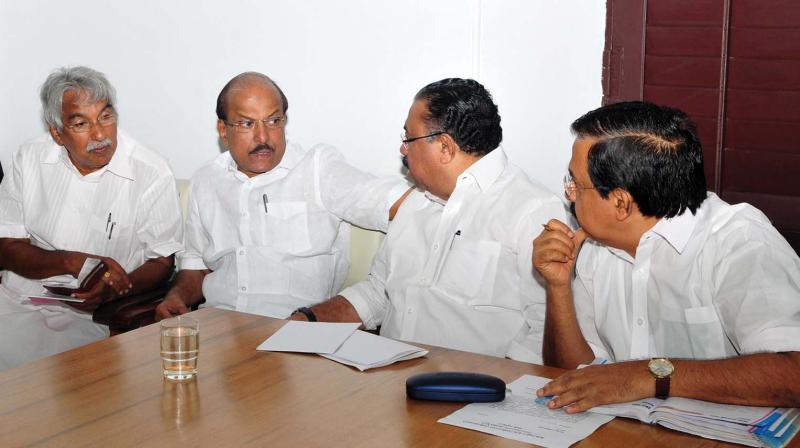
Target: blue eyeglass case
456, 386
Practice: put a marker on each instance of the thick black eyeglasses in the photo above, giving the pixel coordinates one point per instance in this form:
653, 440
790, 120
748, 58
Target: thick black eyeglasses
406, 140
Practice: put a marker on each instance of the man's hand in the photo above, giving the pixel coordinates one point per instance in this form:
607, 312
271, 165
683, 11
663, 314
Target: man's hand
582, 389
93, 298
115, 277
171, 306
555, 251
114, 283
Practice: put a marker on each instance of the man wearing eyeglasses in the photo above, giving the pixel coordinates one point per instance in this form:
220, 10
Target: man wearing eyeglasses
690, 296
267, 227
83, 192
455, 268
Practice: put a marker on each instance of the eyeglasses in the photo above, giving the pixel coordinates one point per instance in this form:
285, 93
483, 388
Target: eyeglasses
246, 125
571, 188
82, 125
407, 140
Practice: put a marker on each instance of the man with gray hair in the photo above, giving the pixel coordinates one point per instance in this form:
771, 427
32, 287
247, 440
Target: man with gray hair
85, 191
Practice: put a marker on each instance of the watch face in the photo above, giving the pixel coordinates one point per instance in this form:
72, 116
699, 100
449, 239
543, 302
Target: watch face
660, 367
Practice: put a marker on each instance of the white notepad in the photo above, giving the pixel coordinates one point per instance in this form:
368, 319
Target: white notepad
309, 337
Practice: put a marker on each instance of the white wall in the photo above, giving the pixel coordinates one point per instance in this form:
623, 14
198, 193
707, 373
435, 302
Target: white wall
349, 68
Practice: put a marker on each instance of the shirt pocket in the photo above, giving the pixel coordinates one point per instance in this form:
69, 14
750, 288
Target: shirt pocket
693, 332
469, 270
111, 236
286, 227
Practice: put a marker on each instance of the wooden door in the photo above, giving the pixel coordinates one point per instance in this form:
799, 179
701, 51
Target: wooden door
734, 67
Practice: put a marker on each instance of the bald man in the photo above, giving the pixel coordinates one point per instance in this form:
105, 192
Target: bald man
267, 224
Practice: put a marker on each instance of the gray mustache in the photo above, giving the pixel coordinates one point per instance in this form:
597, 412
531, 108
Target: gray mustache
93, 145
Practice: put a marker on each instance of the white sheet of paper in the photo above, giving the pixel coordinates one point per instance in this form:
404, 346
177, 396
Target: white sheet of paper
527, 385
309, 337
522, 418
365, 351
525, 417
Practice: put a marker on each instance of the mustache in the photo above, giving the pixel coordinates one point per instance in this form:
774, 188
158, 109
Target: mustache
94, 145
262, 147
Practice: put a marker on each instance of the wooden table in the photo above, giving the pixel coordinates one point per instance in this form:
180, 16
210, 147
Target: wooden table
111, 393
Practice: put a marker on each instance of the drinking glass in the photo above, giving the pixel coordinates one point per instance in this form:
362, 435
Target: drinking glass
179, 347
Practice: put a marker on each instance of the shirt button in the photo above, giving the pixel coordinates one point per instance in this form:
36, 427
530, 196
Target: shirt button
640, 321
410, 310
436, 246
241, 252
244, 288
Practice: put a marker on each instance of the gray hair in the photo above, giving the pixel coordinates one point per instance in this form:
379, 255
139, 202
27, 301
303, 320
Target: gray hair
80, 79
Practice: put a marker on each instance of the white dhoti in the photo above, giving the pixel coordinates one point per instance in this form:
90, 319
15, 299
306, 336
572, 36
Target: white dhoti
29, 332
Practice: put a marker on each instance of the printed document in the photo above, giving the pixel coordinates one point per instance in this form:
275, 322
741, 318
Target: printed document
527, 418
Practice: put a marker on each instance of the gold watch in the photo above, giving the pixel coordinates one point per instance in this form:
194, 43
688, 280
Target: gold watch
662, 370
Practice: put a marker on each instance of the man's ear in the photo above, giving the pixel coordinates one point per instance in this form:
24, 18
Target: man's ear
223, 132
55, 134
623, 203
448, 149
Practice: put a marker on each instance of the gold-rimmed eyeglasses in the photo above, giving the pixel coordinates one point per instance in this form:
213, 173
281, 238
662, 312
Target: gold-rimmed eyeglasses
246, 125
571, 188
82, 125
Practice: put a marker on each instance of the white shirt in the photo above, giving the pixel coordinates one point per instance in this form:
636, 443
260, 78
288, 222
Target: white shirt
716, 284
46, 199
459, 274
278, 241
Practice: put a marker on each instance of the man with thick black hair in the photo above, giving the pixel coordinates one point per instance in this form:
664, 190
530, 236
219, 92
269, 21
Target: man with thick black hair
700, 298
455, 268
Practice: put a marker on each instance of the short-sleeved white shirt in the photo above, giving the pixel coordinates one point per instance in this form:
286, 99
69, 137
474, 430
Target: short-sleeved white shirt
279, 240
719, 283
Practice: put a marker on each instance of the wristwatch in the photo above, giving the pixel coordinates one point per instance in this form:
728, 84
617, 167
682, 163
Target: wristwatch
307, 312
662, 370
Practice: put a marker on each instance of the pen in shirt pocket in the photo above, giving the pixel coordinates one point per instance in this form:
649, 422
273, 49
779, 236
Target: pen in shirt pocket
457, 234
266, 200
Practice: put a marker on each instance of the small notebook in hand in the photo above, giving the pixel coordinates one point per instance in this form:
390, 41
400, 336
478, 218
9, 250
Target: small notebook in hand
61, 288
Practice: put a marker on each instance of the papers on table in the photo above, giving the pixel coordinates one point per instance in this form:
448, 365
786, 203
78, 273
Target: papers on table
340, 342
309, 337
746, 425
526, 418
365, 351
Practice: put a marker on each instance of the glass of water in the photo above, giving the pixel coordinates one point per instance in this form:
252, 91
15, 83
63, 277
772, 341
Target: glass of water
179, 347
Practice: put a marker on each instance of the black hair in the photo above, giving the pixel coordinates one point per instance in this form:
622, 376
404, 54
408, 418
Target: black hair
464, 109
650, 151
222, 98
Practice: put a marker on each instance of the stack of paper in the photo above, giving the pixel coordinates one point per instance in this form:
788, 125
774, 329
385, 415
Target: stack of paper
340, 342
746, 425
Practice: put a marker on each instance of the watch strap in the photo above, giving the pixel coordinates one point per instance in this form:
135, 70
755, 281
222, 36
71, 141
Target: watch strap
662, 387
307, 312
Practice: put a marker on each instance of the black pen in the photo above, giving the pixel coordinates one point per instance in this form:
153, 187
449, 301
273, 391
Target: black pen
458, 233
112, 229
108, 221
264, 197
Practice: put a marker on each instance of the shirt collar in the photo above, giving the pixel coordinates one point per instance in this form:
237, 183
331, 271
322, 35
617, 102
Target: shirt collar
119, 165
291, 157
676, 230
487, 169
